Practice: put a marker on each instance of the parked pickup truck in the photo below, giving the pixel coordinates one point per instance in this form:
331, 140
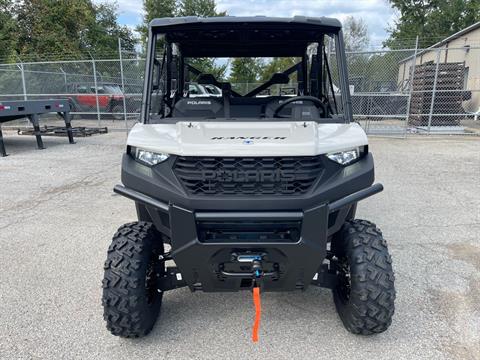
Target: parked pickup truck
82, 98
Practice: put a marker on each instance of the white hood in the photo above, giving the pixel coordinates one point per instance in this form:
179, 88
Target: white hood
247, 138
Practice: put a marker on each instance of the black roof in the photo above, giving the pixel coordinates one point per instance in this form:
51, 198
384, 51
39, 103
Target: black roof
312, 21
232, 36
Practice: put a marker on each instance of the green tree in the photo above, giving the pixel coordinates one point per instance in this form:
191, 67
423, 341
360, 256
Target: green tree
277, 65
51, 29
202, 8
48, 27
245, 72
8, 31
103, 31
431, 20
209, 66
9, 80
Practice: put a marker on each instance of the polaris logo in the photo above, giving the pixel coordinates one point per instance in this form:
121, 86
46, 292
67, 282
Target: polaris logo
248, 138
240, 176
199, 102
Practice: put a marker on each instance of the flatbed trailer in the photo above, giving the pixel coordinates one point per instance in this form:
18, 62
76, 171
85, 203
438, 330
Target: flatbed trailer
32, 109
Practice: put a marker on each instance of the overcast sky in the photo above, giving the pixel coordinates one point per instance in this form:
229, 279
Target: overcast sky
376, 13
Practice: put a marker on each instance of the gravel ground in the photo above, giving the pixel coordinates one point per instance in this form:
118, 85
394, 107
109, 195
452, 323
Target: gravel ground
58, 214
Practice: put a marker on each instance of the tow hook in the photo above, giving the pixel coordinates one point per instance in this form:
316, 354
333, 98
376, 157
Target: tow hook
257, 268
247, 258
255, 259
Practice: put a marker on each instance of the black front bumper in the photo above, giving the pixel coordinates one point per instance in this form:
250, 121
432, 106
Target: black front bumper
211, 264
214, 266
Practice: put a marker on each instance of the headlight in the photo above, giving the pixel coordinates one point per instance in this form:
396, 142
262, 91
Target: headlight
148, 157
345, 157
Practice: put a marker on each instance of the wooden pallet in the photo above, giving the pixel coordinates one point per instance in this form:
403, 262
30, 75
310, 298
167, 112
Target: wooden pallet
449, 78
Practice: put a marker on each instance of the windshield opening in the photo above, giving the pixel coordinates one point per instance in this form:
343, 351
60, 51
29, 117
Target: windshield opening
305, 87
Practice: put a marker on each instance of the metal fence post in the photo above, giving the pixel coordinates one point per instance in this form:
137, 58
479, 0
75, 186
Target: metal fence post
123, 84
96, 88
24, 84
410, 90
433, 91
64, 79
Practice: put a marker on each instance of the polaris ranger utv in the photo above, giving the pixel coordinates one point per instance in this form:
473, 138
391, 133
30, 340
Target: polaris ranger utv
245, 192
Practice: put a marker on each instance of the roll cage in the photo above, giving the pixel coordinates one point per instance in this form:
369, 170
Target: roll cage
177, 39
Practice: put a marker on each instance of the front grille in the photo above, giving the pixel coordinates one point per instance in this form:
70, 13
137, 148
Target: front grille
248, 176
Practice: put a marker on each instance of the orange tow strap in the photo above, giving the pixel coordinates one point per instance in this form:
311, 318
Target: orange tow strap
258, 312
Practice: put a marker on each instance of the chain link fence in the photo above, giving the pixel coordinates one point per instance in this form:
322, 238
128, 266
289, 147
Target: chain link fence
394, 92
106, 91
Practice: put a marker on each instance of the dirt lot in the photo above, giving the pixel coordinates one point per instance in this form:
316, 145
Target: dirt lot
58, 214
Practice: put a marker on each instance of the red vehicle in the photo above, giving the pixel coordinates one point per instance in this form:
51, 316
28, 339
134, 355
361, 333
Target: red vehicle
82, 98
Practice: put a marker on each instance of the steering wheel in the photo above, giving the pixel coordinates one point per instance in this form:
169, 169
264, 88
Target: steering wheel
316, 101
